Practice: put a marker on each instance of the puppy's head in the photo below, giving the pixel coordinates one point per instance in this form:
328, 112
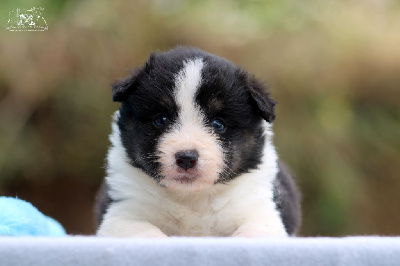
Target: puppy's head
190, 119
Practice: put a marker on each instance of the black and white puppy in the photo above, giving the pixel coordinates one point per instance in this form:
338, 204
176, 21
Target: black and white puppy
192, 154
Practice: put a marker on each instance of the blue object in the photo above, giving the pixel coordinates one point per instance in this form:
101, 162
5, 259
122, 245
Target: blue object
21, 218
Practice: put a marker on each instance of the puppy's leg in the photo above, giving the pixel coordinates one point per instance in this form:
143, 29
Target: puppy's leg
254, 229
119, 227
120, 220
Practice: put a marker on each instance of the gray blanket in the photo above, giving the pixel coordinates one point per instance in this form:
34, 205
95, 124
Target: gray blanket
374, 251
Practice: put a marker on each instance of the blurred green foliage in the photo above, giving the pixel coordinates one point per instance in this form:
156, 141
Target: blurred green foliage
333, 66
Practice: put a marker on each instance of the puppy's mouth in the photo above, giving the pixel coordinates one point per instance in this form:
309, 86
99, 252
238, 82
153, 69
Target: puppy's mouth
188, 170
185, 179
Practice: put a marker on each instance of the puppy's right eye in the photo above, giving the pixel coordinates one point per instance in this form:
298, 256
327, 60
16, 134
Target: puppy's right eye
218, 126
160, 121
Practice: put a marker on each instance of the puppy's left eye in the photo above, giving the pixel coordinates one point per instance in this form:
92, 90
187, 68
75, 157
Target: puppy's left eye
218, 126
160, 121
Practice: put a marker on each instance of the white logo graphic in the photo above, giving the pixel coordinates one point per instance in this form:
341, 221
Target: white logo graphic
27, 20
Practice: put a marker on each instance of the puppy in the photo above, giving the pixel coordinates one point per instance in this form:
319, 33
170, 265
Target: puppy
192, 154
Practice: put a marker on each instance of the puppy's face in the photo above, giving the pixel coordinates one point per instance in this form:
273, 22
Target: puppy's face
190, 119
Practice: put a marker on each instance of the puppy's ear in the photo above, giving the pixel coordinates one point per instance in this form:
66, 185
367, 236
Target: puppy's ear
260, 95
123, 87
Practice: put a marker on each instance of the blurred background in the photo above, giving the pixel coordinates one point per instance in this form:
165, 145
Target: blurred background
333, 66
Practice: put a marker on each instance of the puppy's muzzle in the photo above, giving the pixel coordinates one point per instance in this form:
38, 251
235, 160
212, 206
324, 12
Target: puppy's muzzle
187, 159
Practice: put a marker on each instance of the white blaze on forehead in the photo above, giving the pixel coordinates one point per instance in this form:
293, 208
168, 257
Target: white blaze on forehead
190, 133
187, 82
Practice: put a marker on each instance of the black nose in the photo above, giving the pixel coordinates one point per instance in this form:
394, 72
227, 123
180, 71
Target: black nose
186, 159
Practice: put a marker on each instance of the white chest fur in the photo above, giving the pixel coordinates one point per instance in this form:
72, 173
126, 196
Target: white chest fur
240, 207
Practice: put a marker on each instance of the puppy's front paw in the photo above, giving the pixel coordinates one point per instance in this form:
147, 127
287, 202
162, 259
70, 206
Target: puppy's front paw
150, 234
255, 230
127, 228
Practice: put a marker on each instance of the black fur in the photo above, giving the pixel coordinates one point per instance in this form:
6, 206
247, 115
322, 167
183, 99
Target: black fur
149, 93
226, 92
287, 199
